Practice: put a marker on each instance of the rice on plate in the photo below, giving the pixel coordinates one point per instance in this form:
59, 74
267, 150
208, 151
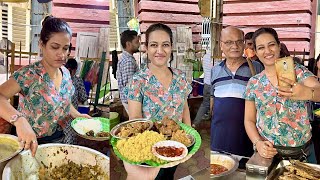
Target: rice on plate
84, 126
138, 148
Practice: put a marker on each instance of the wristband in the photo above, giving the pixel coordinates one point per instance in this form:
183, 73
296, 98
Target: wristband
15, 117
255, 144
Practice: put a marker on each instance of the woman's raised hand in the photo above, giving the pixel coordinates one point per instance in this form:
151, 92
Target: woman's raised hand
297, 91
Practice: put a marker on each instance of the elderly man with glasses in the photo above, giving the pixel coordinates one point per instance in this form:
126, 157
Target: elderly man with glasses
229, 79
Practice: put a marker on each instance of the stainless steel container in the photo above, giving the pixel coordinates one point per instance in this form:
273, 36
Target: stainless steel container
24, 166
224, 160
8, 140
258, 167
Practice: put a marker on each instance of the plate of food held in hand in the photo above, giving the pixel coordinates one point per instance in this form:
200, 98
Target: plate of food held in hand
137, 148
96, 129
169, 150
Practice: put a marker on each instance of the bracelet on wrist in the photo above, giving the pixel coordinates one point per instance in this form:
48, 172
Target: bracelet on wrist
255, 144
14, 118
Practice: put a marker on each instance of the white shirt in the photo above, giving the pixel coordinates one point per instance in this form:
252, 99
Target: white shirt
207, 66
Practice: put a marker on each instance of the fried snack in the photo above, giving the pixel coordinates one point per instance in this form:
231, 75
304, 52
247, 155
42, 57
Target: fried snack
138, 148
300, 171
306, 171
181, 136
102, 134
167, 126
133, 129
90, 133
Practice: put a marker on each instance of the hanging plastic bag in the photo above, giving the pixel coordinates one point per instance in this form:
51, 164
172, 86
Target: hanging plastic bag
92, 75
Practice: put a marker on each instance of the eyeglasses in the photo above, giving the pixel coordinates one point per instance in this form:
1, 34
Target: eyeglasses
230, 43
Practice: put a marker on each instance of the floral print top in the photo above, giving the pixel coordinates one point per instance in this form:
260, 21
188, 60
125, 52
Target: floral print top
283, 122
157, 101
39, 100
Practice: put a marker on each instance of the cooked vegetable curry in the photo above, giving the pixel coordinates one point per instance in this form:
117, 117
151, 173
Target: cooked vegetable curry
72, 170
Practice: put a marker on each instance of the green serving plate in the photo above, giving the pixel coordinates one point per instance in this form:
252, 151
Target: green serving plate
105, 128
191, 150
317, 112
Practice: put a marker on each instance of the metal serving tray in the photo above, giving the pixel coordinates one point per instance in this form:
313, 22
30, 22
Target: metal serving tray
280, 168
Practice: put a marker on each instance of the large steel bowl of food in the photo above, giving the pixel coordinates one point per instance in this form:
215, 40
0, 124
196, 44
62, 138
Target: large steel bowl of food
55, 159
9, 147
222, 165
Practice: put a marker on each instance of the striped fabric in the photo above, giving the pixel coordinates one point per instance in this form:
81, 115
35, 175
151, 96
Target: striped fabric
126, 67
207, 66
227, 126
225, 84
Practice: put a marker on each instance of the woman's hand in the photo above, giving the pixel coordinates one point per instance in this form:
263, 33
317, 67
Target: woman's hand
75, 114
297, 91
266, 149
142, 173
84, 116
26, 135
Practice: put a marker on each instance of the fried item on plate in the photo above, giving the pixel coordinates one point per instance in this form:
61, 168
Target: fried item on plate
181, 136
102, 134
132, 129
167, 126
300, 171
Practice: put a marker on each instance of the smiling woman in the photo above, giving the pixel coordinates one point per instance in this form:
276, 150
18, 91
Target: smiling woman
158, 91
44, 88
276, 117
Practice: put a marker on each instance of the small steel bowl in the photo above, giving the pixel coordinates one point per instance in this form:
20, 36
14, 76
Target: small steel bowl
224, 160
115, 130
192, 140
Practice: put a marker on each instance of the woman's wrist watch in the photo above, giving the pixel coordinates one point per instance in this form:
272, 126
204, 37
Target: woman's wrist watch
15, 117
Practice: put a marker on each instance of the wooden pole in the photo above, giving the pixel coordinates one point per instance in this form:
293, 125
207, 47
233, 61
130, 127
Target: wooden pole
20, 54
13, 46
12, 66
216, 27
96, 100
